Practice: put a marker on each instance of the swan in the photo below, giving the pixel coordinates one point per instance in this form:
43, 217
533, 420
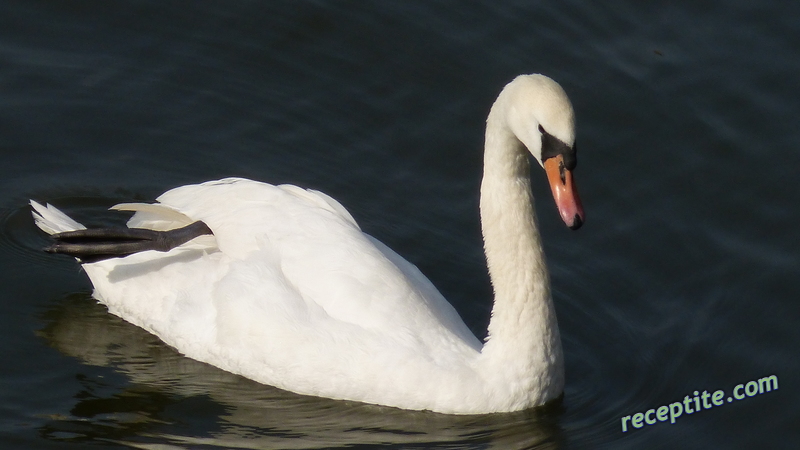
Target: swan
280, 285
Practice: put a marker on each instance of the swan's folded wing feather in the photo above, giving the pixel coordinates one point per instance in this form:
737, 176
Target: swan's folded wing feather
322, 200
154, 216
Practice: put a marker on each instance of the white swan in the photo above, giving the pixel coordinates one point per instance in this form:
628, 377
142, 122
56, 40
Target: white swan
290, 292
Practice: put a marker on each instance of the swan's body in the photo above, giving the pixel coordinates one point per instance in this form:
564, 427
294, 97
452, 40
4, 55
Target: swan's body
290, 292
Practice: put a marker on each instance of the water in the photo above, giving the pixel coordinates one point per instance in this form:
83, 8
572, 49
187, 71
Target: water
682, 279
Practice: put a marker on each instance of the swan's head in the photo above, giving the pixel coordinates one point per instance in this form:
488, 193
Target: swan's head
540, 115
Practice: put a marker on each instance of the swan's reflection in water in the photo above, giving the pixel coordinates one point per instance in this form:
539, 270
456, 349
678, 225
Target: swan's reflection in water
155, 397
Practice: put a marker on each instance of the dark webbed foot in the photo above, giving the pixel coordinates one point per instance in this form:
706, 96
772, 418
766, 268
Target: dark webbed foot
97, 244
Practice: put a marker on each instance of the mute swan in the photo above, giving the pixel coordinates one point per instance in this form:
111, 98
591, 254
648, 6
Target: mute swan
279, 284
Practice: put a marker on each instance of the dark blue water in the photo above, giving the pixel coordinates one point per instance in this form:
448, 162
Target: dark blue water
683, 279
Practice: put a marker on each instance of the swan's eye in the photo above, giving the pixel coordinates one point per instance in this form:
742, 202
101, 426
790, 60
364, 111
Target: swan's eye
541, 129
552, 146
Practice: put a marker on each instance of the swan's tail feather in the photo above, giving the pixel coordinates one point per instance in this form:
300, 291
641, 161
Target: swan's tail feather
97, 244
51, 220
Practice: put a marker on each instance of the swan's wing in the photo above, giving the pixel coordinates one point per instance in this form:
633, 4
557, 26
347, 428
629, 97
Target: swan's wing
321, 252
154, 216
322, 200
443, 310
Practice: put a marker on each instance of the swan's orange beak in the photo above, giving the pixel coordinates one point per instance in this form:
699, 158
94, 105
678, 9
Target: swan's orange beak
564, 192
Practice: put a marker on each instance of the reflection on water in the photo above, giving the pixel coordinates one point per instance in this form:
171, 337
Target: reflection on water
175, 400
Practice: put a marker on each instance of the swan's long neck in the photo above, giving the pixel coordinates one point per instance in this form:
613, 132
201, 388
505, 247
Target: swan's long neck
523, 345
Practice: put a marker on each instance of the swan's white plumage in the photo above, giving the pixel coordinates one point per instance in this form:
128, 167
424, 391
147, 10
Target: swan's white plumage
290, 292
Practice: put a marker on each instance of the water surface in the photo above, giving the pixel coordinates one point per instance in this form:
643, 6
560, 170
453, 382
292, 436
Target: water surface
682, 280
